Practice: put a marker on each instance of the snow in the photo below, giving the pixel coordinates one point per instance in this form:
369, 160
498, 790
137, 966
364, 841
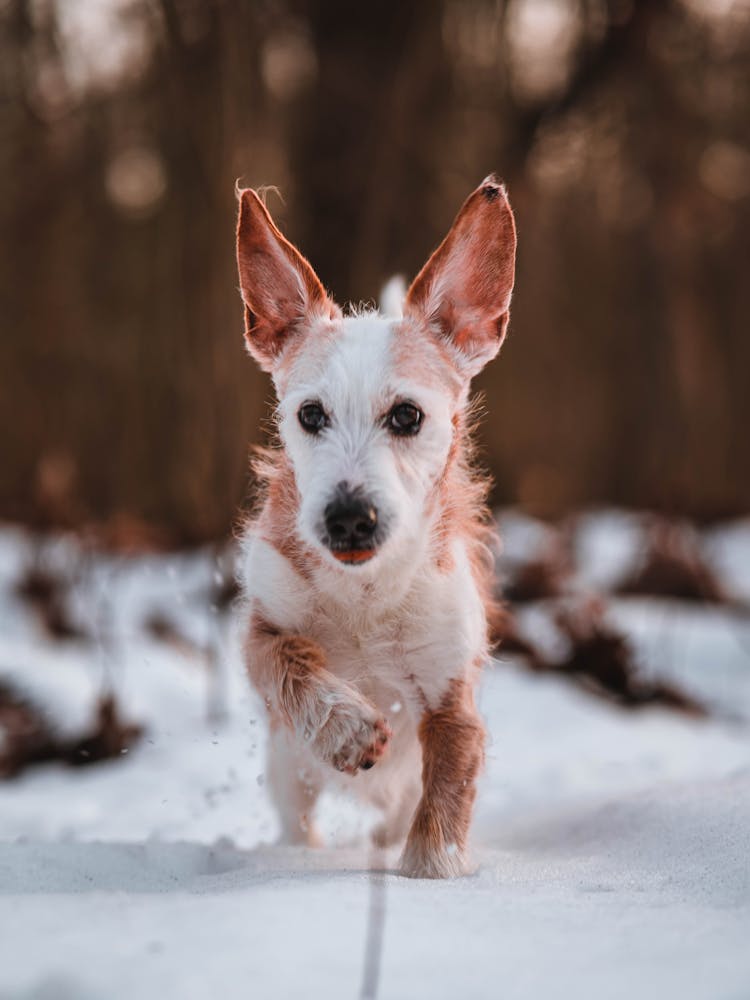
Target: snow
611, 846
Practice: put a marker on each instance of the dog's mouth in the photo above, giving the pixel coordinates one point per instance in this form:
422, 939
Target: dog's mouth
353, 557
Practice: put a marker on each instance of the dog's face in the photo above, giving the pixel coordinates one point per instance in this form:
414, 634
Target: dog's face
366, 410
369, 405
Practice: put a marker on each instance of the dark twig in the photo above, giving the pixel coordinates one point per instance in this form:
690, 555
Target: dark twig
376, 913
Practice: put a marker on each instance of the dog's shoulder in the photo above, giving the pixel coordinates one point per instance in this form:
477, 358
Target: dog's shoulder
447, 604
269, 579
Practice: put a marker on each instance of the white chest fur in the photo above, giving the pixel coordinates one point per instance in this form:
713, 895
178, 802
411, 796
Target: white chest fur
402, 644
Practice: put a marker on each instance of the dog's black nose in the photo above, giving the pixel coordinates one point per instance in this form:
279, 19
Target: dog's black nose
351, 519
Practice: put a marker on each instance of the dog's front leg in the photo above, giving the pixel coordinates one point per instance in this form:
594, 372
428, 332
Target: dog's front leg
452, 738
341, 727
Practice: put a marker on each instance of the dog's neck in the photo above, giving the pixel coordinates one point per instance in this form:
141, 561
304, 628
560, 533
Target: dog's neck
377, 588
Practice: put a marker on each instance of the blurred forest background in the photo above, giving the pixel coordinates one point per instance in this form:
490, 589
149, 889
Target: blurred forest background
621, 128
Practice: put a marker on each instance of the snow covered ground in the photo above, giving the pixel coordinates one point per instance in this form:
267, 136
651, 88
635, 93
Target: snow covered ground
613, 848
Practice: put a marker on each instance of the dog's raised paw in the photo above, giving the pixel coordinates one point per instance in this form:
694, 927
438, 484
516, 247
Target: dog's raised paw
353, 738
378, 747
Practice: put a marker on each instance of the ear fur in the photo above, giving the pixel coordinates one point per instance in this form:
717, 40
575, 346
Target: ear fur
279, 288
463, 292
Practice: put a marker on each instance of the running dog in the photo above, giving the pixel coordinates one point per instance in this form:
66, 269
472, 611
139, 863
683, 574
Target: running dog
367, 567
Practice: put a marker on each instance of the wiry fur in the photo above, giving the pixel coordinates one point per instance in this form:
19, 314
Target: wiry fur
368, 670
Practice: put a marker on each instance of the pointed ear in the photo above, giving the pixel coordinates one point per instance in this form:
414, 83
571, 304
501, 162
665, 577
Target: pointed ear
279, 288
463, 291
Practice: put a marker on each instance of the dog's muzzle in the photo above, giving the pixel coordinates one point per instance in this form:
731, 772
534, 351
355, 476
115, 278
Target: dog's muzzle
352, 529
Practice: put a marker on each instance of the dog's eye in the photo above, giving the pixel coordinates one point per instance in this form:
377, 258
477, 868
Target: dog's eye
313, 417
404, 419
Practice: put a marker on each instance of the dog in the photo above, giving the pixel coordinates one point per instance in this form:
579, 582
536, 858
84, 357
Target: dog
367, 566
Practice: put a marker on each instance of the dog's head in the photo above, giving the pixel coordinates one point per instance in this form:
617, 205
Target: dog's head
369, 406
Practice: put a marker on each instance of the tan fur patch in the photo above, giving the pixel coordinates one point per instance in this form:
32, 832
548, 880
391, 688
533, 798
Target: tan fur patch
426, 358
277, 505
460, 503
452, 739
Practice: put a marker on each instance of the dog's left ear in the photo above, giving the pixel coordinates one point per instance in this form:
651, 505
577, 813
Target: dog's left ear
463, 291
279, 288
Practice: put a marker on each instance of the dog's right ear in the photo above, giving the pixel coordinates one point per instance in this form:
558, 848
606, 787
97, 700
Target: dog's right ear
279, 288
463, 292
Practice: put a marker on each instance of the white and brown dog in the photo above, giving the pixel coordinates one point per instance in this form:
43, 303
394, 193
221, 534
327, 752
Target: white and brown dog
367, 568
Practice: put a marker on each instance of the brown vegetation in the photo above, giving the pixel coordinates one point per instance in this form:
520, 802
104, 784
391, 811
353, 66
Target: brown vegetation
29, 735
